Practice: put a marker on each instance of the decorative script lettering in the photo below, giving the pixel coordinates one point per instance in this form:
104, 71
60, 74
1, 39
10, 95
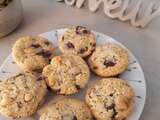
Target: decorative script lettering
117, 9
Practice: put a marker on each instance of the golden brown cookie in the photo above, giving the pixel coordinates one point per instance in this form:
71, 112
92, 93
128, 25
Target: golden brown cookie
20, 95
109, 60
32, 52
77, 40
67, 74
67, 109
110, 99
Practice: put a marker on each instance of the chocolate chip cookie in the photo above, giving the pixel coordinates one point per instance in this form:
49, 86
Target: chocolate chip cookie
108, 60
67, 109
77, 40
20, 95
67, 74
32, 52
110, 99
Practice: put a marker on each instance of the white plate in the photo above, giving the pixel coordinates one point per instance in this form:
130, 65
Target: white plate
134, 74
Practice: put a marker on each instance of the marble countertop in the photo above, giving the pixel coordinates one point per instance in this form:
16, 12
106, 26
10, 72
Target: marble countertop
46, 15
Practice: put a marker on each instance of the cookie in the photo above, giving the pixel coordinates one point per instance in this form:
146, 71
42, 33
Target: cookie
109, 60
110, 99
20, 95
32, 52
77, 40
67, 109
66, 74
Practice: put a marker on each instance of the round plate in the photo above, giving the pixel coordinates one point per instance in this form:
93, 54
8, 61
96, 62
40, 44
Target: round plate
134, 74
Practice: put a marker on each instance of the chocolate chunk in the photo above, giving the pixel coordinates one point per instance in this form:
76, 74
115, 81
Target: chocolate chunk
19, 104
111, 107
45, 54
80, 27
40, 78
35, 45
20, 74
94, 44
86, 31
109, 63
62, 38
59, 92
95, 67
70, 45
86, 48
78, 87
114, 114
111, 95
117, 76
47, 43
82, 50
74, 118
94, 118
82, 30
49, 89
37, 70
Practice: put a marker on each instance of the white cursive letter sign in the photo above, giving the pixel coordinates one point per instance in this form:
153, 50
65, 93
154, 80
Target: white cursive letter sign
118, 9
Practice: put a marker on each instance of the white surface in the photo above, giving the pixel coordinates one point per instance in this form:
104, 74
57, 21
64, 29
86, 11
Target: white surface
46, 15
134, 74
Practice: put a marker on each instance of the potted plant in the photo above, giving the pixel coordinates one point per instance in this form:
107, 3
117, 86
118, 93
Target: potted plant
10, 15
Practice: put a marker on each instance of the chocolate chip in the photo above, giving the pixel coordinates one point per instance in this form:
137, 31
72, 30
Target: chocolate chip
94, 118
63, 38
37, 70
109, 63
45, 54
74, 118
80, 27
20, 74
78, 87
40, 78
94, 44
111, 95
109, 107
81, 30
114, 114
86, 48
58, 92
82, 50
95, 67
86, 31
47, 43
117, 76
35, 45
49, 89
70, 45
19, 104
